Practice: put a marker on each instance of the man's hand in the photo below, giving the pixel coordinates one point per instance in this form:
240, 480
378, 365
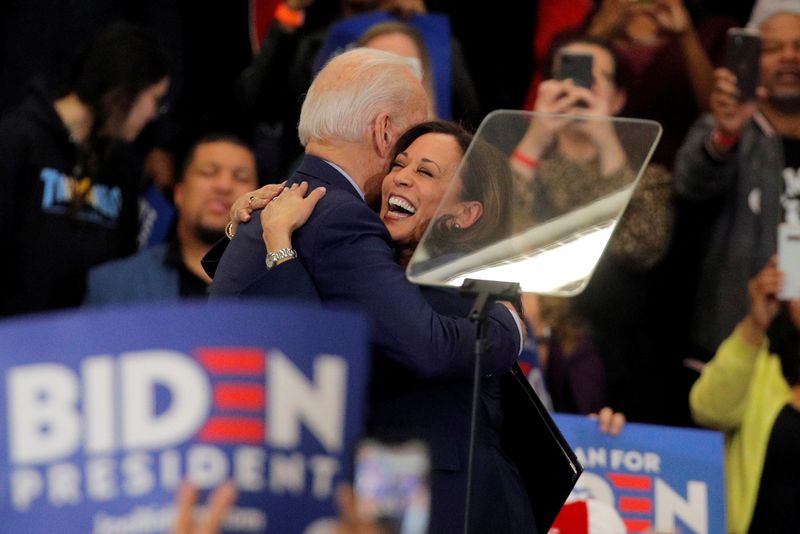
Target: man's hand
729, 113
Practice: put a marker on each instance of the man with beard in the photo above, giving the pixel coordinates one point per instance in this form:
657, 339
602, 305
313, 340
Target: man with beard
743, 161
218, 170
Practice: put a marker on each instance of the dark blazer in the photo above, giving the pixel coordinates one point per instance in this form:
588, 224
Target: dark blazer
423, 346
348, 253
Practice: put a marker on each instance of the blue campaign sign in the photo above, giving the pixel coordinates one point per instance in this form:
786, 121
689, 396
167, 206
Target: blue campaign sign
435, 32
105, 412
658, 479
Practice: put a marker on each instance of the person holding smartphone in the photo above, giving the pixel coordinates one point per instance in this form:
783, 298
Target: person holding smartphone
597, 358
751, 391
743, 160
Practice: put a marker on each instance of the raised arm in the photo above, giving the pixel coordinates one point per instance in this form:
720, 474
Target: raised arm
719, 396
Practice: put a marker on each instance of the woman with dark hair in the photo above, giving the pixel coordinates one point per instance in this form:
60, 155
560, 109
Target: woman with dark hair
476, 217
424, 163
751, 391
424, 166
63, 207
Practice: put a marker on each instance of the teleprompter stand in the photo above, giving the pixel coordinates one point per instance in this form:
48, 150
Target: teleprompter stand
547, 465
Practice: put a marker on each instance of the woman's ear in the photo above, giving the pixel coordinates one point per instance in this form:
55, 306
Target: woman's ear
468, 213
382, 135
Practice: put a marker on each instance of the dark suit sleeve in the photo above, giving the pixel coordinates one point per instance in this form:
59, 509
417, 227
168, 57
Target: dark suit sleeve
289, 280
211, 259
351, 261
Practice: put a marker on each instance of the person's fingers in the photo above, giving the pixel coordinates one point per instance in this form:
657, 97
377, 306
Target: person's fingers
604, 419
773, 261
219, 504
723, 73
315, 195
185, 501
258, 204
346, 503
728, 87
618, 421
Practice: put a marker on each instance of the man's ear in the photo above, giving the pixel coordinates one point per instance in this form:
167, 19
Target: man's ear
382, 135
468, 213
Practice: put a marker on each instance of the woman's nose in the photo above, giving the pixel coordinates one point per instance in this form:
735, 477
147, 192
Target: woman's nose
403, 177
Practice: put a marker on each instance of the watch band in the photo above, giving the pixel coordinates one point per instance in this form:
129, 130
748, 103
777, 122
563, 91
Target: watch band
281, 254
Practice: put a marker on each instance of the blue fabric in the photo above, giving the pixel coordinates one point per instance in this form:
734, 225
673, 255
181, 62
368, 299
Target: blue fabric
348, 254
435, 31
156, 215
138, 278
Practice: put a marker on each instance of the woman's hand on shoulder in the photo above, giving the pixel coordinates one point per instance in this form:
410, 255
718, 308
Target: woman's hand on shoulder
287, 212
243, 207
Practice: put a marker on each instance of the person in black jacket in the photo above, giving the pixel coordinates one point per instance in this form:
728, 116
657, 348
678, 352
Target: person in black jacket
63, 206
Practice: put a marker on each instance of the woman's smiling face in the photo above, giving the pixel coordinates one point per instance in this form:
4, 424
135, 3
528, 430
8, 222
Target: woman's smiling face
416, 184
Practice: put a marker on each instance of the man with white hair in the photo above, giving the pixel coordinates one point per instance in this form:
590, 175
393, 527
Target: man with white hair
744, 157
354, 111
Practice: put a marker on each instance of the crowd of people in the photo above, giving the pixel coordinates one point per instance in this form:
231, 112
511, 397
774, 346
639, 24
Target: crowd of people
356, 142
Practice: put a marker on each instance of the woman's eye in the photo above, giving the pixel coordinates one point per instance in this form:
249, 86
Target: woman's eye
397, 164
424, 171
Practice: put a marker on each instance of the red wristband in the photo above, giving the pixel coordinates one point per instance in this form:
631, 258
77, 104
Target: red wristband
531, 163
723, 140
289, 17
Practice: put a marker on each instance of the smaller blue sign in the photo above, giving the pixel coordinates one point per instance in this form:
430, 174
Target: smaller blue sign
659, 479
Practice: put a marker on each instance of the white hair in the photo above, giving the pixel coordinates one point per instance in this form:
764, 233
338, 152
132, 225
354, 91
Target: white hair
766, 9
353, 89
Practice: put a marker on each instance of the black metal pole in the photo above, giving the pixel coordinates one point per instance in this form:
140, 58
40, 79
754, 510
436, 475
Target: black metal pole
486, 292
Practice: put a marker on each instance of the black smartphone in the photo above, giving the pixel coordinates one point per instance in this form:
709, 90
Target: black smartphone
743, 58
575, 66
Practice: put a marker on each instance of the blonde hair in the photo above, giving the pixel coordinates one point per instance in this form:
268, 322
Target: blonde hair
388, 28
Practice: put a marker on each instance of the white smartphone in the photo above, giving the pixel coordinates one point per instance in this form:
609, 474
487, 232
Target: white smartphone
789, 260
392, 487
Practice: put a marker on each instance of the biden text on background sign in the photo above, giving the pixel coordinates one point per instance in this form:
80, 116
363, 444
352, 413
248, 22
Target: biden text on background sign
107, 412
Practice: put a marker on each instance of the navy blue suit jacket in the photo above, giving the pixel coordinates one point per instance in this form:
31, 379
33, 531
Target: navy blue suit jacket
348, 254
423, 345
